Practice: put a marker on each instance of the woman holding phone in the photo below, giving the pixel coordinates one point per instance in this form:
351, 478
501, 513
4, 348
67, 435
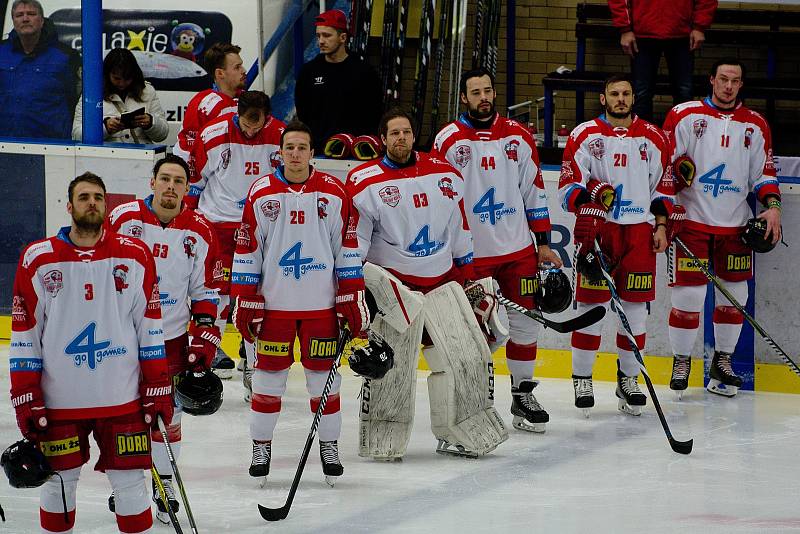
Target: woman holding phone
132, 112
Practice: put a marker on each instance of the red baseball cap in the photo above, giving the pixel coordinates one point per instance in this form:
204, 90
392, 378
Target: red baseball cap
334, 18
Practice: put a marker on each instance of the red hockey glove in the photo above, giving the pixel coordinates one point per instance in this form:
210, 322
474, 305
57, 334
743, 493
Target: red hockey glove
351, 308
675, 222
683, 170
156, 399
590, 218
248, 316
601, 193
339, 146
31, 412
367, 147
205, 339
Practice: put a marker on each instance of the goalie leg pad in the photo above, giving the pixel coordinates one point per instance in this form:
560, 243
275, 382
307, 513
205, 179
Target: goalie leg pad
397, 305
461, 382
387, 404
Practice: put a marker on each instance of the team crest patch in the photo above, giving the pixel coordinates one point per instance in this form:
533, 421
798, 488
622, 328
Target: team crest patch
60, 447
463, 155
528, 286
699, 127
322, 207
218, 273
120, 274
132, 444
189, 246
738, 263
53, 282
322, 347
243, 236
271, 209
643, 151
135, 231
566, 171
226, 158
18, 313
275, 159
597, 148
748, 137
639, 282
446, 187
390, 195
511, 150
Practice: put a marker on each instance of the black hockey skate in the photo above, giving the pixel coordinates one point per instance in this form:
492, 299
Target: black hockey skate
528, 413
162, 514
681, 367
722, 379
331, 465
631, 398
259, 465
584, 393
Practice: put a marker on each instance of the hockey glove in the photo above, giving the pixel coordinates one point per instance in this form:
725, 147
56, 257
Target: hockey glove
675, 222
367, 147
205, 339
601, 193
31, 412
339, 146
683, 170
248, 316
351, 308
590, 219
156, 398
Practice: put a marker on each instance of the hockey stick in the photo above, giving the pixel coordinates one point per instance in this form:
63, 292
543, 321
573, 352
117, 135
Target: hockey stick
438, 67
423, 59
588, 318
277, 514
164, 499
477, 52
722, 289
163, 428
681, 447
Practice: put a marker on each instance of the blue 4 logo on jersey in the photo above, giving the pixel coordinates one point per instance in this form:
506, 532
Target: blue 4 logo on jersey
622, 205
488, 210
714, 182
85, 348
422, 245
295, 264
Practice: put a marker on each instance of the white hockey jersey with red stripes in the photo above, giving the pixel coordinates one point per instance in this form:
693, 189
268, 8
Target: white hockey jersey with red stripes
185, 252
504, 192
635, 161
228, 163
410, 219
295, 246
732, 151
86, 322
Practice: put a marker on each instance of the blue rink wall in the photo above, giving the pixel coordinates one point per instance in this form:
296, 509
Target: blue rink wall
33, 183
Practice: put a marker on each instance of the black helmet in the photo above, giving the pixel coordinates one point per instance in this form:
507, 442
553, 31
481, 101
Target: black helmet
554, 292
754, 236
372, 360
25, 465
199, 393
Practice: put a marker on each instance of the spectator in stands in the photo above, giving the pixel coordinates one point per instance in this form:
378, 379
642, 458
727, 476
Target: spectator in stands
125, 91
39, 77
650, 28
337, 92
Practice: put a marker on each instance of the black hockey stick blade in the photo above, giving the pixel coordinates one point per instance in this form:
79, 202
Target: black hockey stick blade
587, 318
681, 447
274, 514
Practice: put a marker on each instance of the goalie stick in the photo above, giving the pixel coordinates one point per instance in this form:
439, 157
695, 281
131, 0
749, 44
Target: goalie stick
757, 327
162, 493
588, 318
277, 514
178, 480
681, 447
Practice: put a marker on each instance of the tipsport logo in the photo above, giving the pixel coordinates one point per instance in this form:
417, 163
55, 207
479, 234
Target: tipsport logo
86, 349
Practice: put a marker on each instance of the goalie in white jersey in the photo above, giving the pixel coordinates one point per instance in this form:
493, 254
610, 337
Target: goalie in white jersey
87, 357
728, 147
506, 206
296, 268
185, 252
415, 238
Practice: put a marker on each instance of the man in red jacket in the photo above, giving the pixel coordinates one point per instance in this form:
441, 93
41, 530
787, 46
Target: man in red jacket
650, 28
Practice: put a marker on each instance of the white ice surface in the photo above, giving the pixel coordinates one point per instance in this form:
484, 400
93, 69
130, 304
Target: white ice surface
609, 473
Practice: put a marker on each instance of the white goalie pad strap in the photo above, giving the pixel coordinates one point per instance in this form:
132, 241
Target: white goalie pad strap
498, 323
387, 405
461, 383
397, 305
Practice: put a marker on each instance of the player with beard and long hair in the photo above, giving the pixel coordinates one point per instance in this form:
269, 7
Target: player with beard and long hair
616, 178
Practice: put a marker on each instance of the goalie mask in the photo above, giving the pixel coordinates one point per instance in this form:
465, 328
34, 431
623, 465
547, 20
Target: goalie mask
554, 293
25, 465
372, 360
199, 393
754, 236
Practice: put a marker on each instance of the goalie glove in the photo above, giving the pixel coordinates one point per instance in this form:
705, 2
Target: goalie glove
601, 193
683, 171
248, 316
206, 337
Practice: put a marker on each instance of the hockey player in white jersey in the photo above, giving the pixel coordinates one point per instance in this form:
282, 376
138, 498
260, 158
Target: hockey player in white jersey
296, 268
506, 206
615, 177
87, 357
229, 155
418, 248
723, 151
185, 252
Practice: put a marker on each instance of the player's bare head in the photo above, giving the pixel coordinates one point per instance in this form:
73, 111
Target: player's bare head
254, 108
87, 202
397, 133
296, 146
477, 93
170, 182
727, 78
617, 96
223, 62
331, 31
